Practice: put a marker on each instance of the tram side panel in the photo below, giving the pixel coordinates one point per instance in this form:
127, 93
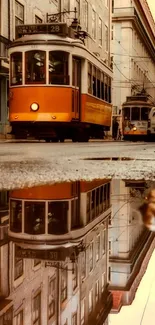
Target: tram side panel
96, 113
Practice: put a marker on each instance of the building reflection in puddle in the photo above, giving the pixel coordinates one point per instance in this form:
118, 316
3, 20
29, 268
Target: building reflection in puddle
74, 252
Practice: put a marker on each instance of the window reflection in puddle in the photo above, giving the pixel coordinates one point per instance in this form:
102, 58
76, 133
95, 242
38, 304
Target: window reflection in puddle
74, 252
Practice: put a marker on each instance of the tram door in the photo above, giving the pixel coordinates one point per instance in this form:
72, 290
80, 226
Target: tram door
76, 89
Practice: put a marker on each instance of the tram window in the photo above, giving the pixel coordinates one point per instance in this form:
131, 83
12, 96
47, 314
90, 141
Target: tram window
75, 216
35, 67
88, 206
16, 69
93, 204
34, 222
106, 88
89, 78
57, 218
16, 216
94, 82
58, 68
101, 199
126, 113
98, 83
102, 86
135, 113
109, 90
97, 201
144, 113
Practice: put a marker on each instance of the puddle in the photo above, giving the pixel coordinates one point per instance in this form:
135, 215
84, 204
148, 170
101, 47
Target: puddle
69, 242
119, 158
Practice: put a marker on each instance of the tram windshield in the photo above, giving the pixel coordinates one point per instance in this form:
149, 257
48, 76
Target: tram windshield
135, 113
35, 67
34, 218
16, 216
57, 217
16, 68
58, 68
126, 113
144, 113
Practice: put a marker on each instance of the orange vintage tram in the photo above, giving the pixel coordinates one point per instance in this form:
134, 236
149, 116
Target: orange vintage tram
58, 88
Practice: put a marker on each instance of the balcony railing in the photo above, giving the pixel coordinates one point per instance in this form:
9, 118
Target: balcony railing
124, 11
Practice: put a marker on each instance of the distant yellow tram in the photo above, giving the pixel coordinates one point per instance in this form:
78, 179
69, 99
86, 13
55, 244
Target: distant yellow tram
135, 117
58, 88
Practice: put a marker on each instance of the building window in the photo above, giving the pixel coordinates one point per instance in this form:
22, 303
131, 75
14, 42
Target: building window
100, 31
103, 281
107, 3
16, 216
93, 24
103, 241
110, 247
83, 265
90, 302
77, 6
97, 291
36, 262
97, 248
7, 318
19, 318
83, 311
74, 319
34, 218
37, 309
58, 217
66, 5
35, 62
110, 219
106, 38
112, 6
66, 322
38, 20
16, 68
112, 32
74, 276
18, 265
85, 14
19, 13
64, 278
90, 257
88, 207
52, 298
109, 274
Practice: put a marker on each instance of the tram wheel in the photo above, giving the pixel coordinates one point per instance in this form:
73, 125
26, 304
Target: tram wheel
54, 140
47, 140
62, 139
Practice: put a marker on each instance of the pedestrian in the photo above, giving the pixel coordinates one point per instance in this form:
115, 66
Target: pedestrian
115, 129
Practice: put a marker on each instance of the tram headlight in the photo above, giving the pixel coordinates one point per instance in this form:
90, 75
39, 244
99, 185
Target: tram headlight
134, 128
34, 107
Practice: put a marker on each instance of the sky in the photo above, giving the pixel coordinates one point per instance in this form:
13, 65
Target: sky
151, 4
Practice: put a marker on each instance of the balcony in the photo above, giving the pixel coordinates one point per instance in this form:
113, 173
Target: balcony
124, 12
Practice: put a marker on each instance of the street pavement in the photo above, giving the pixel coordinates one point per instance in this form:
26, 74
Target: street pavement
33, 163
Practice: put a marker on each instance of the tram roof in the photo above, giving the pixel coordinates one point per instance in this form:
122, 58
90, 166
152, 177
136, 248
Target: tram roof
137, 103
46, 38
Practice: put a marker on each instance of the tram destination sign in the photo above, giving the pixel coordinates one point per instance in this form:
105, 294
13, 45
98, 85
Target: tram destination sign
53, 28
48, 255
